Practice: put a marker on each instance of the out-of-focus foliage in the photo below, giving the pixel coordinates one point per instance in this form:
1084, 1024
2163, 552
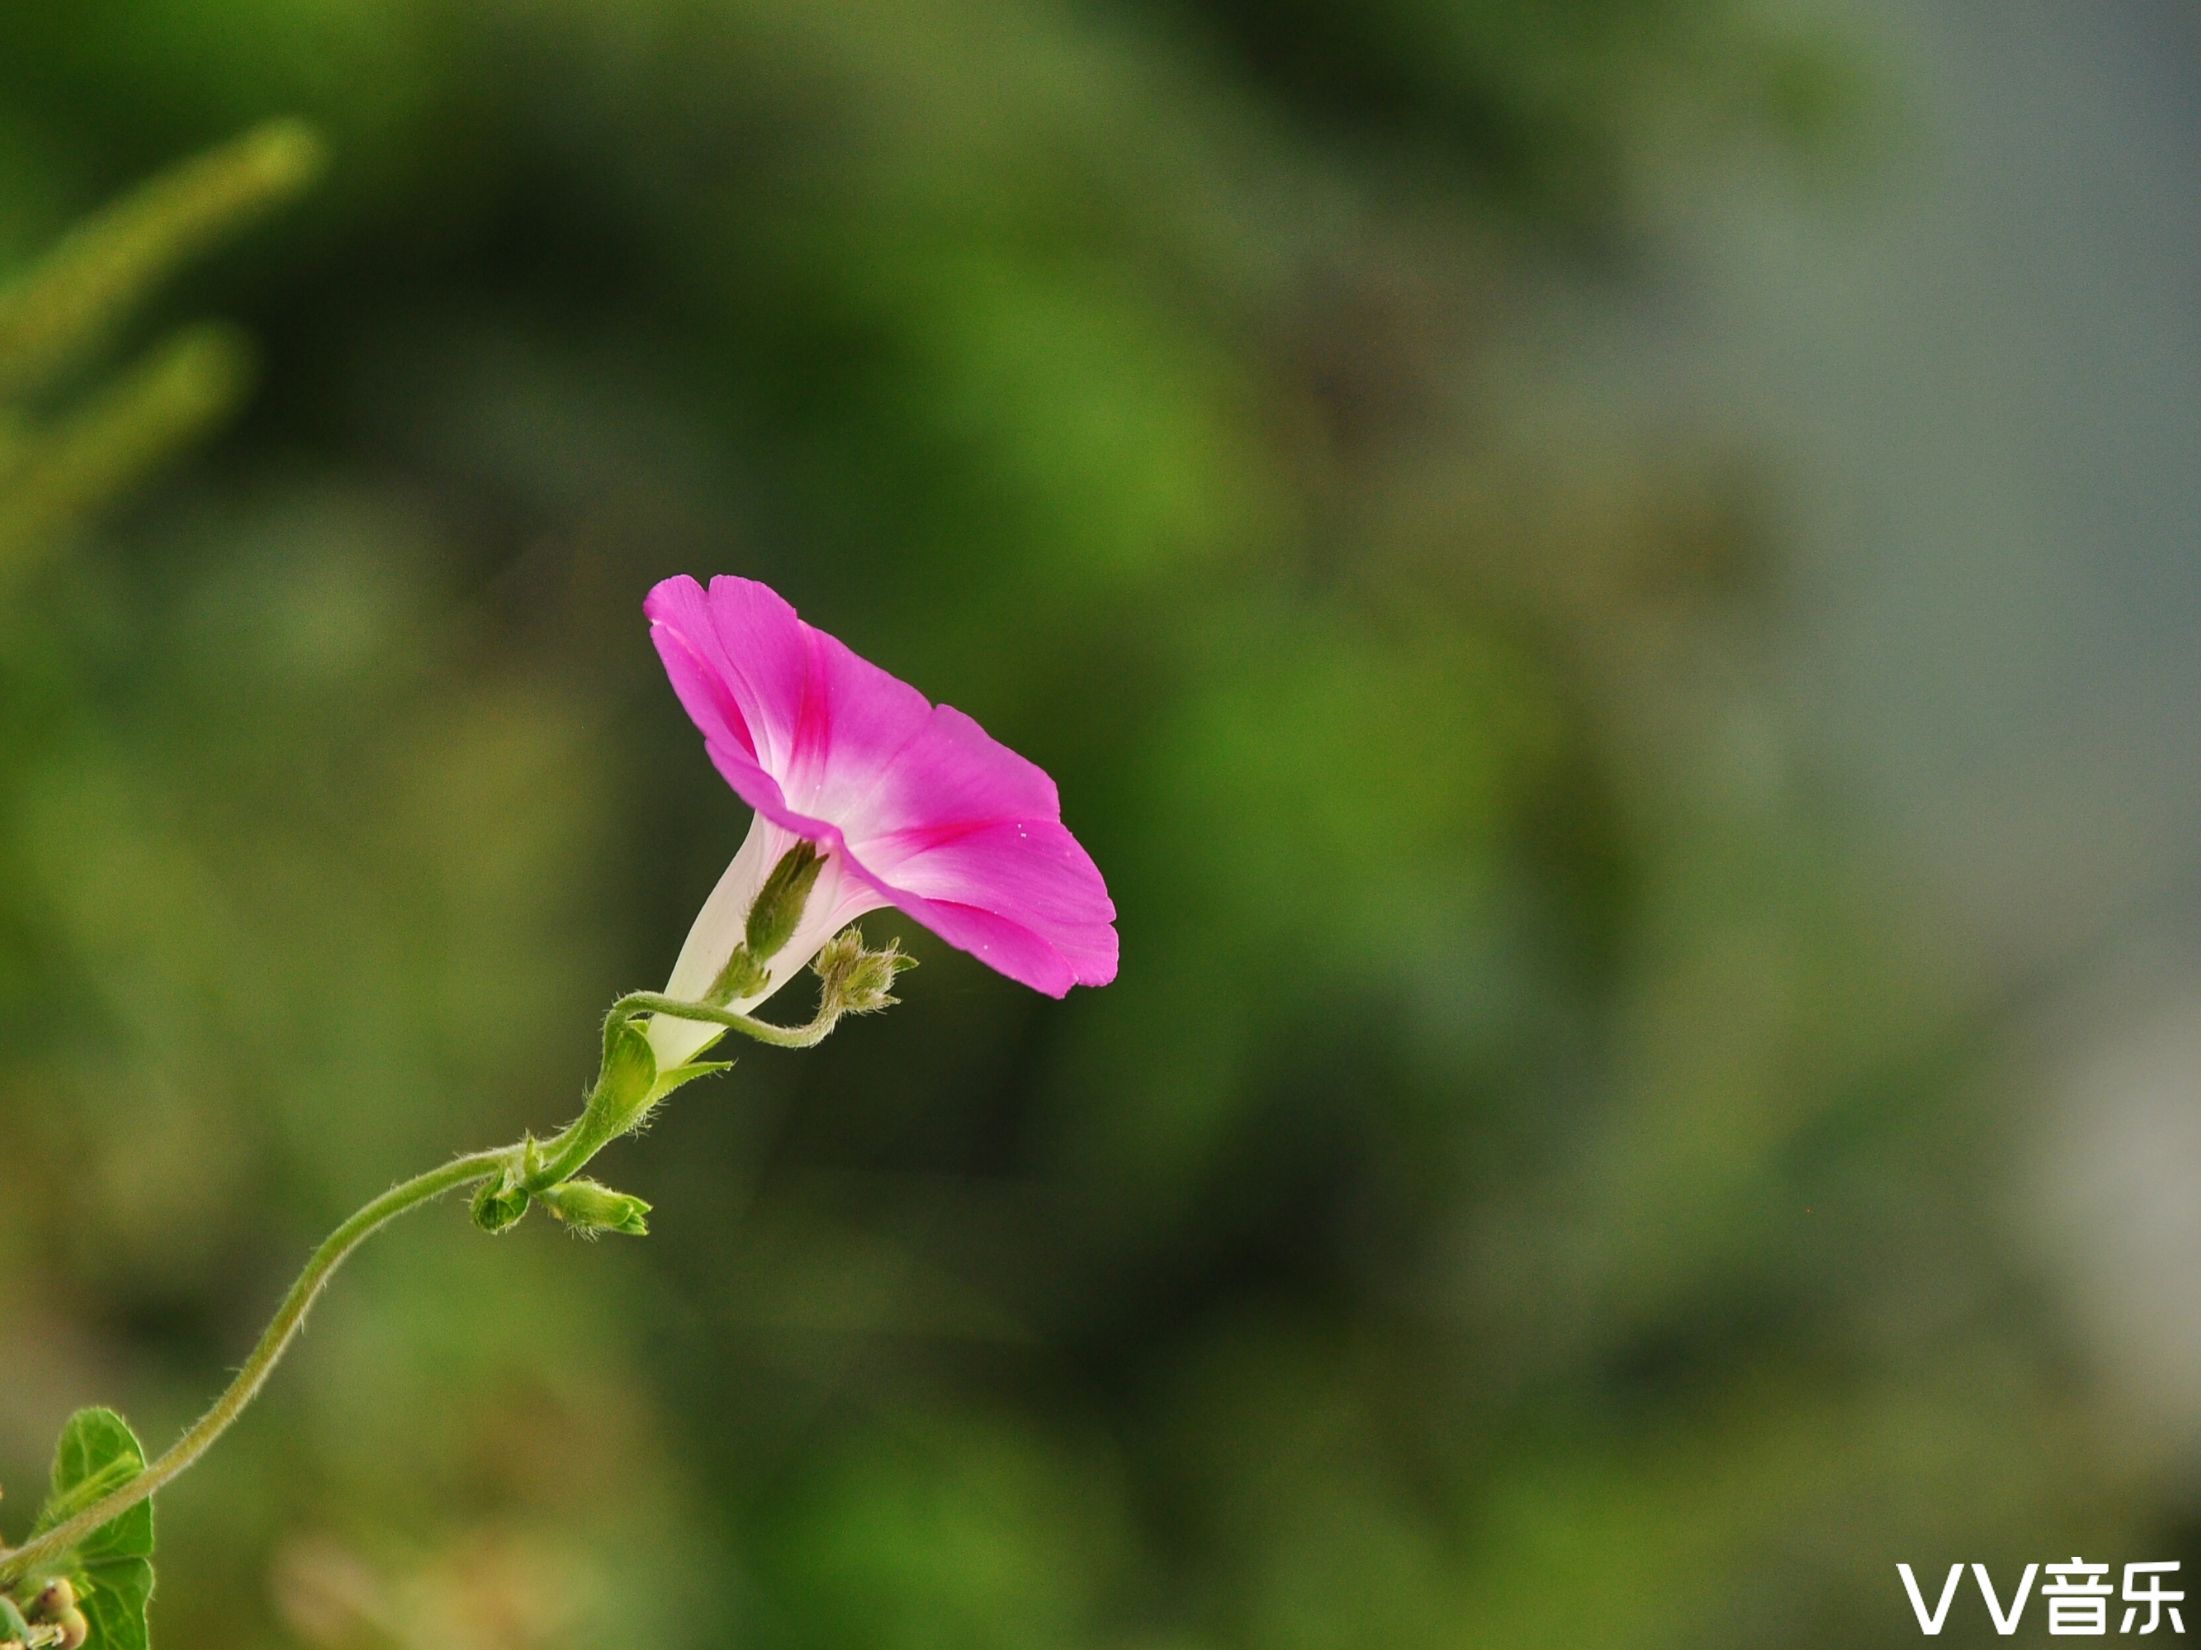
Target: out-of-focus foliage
1524, 1189
59, 459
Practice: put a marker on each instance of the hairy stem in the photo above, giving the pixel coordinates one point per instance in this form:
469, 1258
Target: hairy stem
764, 1031
543, 1167
274, 1342
565, 1154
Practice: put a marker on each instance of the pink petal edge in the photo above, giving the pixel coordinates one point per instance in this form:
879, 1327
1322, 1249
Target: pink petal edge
941, 819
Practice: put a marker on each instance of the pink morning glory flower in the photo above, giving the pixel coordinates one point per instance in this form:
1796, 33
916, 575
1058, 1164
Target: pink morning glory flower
912, 804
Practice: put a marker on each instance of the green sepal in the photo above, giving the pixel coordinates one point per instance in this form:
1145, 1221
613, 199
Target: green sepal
626, 1086
743, 976
777, 911
112, 1568
681, 1076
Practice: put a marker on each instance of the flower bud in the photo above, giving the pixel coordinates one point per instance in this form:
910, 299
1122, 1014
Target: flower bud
779, 903
57, 1596
74, 1629
857, 981
590, 1208
498, 1206
838, 952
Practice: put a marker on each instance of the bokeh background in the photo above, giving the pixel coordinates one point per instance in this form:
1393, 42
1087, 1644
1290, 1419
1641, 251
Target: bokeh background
1612, 583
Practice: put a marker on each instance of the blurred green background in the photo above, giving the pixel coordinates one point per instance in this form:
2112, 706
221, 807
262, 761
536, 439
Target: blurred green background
1548, 1175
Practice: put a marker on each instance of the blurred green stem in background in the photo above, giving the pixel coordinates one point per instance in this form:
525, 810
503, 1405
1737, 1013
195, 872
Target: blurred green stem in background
80, 293
60, 463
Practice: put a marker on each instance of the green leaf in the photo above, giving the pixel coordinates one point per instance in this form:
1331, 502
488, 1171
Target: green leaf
112, 1567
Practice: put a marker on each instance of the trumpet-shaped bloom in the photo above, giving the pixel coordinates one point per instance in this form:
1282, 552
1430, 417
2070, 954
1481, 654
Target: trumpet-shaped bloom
912, 804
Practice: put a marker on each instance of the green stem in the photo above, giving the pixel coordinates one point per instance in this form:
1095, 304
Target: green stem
764, 1031
556, 1161
565, 1154
274, 1342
